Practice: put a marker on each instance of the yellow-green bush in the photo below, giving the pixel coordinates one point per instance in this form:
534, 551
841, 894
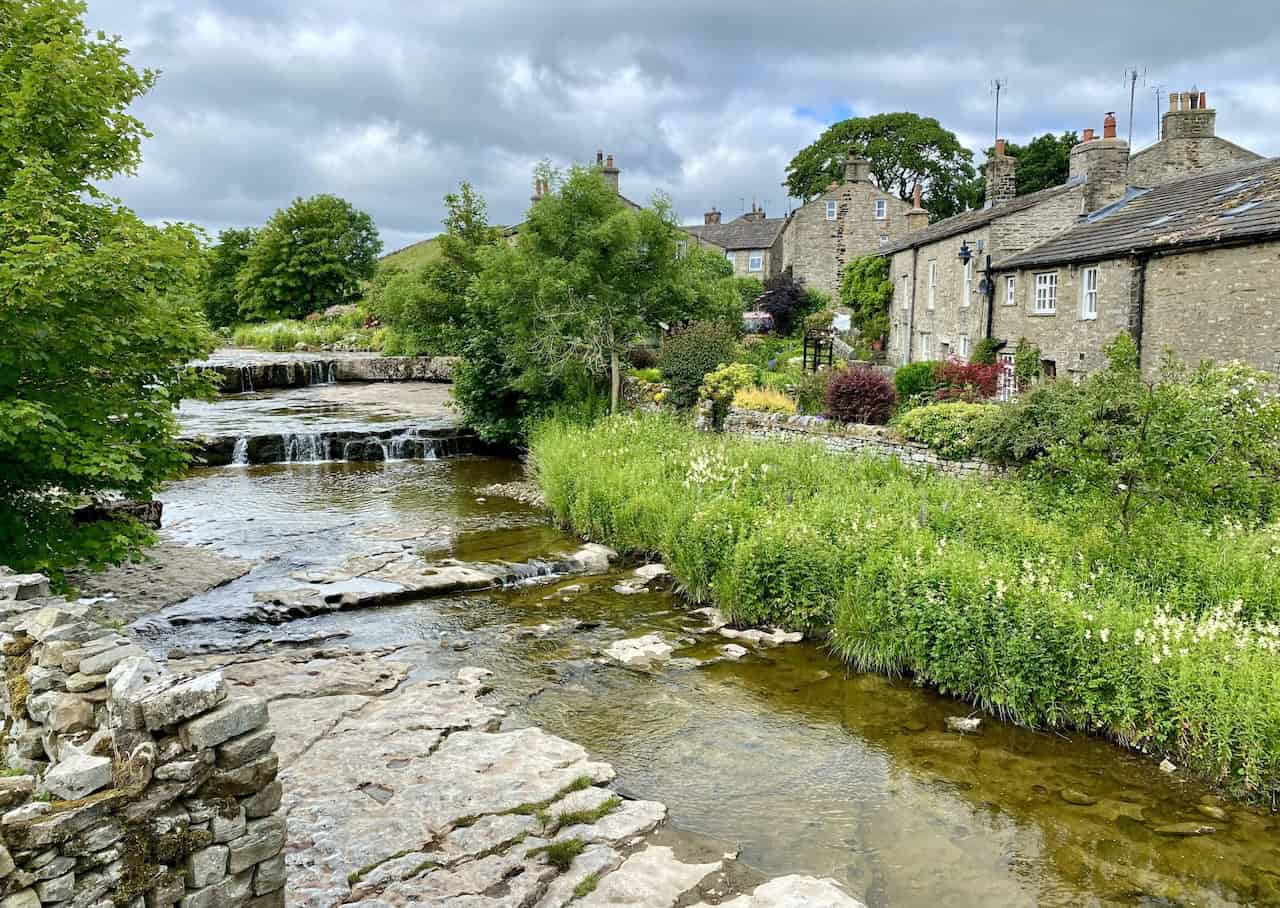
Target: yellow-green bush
764, 400
954, 430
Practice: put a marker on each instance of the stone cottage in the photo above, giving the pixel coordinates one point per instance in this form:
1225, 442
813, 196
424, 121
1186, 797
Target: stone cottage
752, 242
852, 218
1190, 267
1188, 144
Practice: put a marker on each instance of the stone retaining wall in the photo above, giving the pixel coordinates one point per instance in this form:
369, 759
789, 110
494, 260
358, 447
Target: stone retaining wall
294, 372
877, 441
127, 784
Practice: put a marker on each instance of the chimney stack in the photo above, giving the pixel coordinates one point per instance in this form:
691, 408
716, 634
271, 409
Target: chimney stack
609, 171
712, 216
917, 217
755, 214
1002, 176
1104, 164
537, 190
1189, 117
857, 169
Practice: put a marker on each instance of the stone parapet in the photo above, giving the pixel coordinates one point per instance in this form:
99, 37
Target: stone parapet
874, 441
128, 784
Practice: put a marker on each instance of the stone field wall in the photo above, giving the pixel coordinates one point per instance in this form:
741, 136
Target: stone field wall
876, 441
127, 784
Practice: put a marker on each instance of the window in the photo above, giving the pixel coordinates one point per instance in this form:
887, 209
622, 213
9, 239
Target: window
831, 211
730, 258
755, 262
1011, 291
882, 209
962, 347
1046, 302
884, 239
925, 346
966, 292
933, 281
1049, 368
1089, 293
906, 292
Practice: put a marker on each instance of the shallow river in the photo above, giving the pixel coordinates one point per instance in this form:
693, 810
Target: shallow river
802, 766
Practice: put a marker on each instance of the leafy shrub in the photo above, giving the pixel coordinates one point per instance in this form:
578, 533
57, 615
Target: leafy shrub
786, 302
986, 351
811, 392
642, 357
966, 381
748, 290
860, 395
956, 431
764, 400
819, 321
720, 386
1026, 363
866, 289
915, 381
653, 376
689, 355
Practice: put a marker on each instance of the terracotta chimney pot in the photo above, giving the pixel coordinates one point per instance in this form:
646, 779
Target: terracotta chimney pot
1109, 125
1088, 135
1000, 147
916, 197
1204, 100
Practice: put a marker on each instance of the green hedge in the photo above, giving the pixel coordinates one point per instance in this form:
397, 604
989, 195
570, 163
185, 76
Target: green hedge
1164, 639
957, 431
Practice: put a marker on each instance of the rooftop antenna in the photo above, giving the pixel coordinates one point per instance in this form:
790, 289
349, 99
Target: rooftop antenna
1132, 75
1159, 92
742, 204
998, 85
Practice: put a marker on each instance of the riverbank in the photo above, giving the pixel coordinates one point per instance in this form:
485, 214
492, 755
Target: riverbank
1164, 641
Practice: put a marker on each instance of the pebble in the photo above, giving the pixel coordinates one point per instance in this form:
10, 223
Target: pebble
1077, 797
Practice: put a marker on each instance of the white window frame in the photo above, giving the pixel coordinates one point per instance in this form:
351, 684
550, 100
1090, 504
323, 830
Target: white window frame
1089, 293
884, 240
833, 210
906, 291
1044, 297
882, 209
963, 346
966, 289
926, 349
731, 258
933, 282
1011, 290
755, 261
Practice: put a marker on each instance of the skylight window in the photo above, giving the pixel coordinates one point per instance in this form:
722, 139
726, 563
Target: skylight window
1239, 185
1240, 209
1166, 218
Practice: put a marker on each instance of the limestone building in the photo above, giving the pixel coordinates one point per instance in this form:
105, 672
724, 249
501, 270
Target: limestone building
1190, 267
854, 217
1188, 144
752, 242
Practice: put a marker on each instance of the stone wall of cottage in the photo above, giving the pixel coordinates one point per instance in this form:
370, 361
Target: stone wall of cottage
1066, 338
1218, 304
127, 785
873, 441
1174, 158
817, 249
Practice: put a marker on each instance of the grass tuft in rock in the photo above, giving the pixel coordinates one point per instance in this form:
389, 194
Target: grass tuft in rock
587, 816
586, 885
559, 855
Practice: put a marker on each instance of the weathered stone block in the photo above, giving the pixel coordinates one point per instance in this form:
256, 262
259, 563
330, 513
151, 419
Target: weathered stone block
232, 718
183, 701
78, 776
59, 865
81, 683
38, 707
227, 828
23, 586
27, 898
269, 875
262, 839
265, 802
244, 780
130, 675
206, 866
6, 861
270, 900
246, 747
102, 663
167, 891
58, 889
41, 679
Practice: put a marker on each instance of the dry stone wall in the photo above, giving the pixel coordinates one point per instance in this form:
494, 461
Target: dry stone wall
875, 441
127, 784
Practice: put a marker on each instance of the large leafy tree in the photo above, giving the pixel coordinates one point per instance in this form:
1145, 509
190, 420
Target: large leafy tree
1043, 162
223, 262
865, 287
314, 254
904, 149
99, 311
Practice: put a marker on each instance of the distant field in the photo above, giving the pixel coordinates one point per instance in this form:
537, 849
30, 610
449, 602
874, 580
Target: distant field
414, 255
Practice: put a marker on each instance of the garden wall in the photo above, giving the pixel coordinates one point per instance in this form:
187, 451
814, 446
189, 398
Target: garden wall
127, 784
877, 441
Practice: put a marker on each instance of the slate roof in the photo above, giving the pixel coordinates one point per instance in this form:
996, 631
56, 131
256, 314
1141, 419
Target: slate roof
971, 220
1206, 209
740, 233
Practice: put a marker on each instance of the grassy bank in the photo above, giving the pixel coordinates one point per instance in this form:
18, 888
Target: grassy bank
340, 333
1164, 637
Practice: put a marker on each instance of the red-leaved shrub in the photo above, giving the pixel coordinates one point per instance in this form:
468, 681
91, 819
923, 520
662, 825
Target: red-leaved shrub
861, 395
958, 380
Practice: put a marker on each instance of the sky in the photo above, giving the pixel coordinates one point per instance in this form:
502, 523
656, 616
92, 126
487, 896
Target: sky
391, 104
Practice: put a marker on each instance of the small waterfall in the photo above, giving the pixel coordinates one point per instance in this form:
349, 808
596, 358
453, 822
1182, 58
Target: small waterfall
308, 448
406, 446
531, 572
333, 373
240, 453
246, 379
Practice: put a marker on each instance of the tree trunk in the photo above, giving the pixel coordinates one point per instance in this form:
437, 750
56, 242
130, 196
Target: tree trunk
615, 383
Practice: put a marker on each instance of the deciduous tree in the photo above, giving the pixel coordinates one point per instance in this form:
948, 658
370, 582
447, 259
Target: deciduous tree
223, 262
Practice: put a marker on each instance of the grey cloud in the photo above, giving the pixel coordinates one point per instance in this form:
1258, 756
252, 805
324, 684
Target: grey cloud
391, 104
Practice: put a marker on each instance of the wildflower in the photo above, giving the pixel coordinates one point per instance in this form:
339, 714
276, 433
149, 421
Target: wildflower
1105, 634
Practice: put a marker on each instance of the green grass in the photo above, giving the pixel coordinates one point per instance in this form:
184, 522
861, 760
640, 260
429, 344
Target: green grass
1032, 607
586, 885
559, 855
412, 256
341, 333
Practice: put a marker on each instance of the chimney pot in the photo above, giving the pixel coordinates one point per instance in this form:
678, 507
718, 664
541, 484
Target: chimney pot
1173, 101
1088, 135
1186, 100
916, 194
1109, 125
608, 162
1000, 147
600, 157
1204, 100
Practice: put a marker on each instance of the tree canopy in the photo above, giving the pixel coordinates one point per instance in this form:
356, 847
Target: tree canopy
223, 262
314, 254
1043, 162
903, 148
866, 288
98, 308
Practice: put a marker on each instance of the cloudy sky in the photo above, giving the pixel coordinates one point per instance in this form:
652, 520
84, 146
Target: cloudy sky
390, 103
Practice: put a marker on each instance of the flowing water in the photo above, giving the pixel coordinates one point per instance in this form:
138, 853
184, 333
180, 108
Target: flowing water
803, 766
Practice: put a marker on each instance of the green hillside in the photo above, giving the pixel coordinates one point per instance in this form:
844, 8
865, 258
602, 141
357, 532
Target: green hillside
413, 255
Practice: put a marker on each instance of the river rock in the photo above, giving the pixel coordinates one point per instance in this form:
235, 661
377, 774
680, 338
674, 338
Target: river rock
1213, 812
652, 876
640, 651
1184, 829
23, 586
733, 651
966, 725
795, 892
1077, 797
772, 637
1168, 766
651, 572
